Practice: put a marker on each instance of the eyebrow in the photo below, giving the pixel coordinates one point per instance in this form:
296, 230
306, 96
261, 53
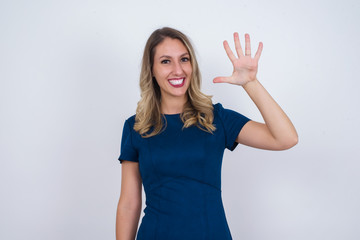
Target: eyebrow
166, 56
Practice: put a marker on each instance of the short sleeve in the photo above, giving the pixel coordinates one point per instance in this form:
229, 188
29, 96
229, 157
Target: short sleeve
232, 122
128, 151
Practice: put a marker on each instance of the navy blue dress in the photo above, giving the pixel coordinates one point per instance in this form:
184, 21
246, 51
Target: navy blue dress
181, 174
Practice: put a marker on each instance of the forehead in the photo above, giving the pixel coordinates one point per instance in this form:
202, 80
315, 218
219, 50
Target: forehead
170, 47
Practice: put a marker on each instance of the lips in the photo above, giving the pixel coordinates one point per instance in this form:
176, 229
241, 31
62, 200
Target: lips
177, 82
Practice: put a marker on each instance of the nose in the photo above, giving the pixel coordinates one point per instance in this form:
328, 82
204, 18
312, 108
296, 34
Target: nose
178, 69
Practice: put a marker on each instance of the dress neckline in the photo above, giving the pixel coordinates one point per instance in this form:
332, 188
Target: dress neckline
173, 114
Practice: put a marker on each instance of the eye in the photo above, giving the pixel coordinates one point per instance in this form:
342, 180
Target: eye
185, 59
165, 61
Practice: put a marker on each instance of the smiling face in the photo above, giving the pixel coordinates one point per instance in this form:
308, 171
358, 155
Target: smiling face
172, 69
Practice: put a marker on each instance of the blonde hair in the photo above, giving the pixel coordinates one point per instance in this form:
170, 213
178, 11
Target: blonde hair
198, 110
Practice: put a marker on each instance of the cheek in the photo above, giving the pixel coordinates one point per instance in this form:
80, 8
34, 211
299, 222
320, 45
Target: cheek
188, 69
158, 81
161, 72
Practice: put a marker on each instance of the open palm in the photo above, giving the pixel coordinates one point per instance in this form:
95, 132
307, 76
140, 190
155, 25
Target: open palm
245, 67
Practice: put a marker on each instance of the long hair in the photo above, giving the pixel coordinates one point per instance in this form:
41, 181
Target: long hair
198, 110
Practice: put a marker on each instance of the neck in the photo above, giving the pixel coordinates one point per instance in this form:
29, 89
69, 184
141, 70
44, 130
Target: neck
173, 105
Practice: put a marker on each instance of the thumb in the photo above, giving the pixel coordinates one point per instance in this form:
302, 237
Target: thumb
221, 80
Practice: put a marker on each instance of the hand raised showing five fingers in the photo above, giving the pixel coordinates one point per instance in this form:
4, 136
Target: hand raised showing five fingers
245, 67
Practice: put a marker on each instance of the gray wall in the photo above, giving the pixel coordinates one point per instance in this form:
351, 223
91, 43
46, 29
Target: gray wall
69, 78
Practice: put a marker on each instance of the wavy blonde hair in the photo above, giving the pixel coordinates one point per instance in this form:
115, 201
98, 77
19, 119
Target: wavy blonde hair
198, 110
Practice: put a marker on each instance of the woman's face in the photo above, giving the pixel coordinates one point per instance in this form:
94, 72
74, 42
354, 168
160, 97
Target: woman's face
172, 68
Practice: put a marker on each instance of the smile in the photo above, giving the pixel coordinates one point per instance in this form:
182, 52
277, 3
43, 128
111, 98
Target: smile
177, 82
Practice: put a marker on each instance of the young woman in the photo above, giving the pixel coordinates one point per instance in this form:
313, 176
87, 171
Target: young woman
175, 143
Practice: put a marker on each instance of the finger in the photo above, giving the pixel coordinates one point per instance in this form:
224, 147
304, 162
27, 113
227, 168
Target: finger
229, 52
247, 45
258, 52
238, 48
221, 80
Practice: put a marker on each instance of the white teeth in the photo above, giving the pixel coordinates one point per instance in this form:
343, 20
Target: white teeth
176, 82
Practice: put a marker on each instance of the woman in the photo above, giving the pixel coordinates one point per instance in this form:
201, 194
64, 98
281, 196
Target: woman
175, 143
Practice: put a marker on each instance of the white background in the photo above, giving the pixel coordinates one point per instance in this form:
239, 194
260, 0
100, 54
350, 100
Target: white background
69, 75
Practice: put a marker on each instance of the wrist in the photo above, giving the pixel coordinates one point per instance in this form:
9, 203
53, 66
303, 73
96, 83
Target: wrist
250, 84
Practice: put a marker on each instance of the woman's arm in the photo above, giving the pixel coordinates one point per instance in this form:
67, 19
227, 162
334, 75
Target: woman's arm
129, 206
278, 133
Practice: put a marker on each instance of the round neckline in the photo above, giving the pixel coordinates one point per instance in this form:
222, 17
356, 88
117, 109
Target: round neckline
173, 114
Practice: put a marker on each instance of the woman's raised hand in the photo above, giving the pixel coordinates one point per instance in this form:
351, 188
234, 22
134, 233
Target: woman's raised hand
245, 67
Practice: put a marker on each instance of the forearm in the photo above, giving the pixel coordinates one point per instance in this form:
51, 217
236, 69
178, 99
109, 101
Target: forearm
127, 220
277, 122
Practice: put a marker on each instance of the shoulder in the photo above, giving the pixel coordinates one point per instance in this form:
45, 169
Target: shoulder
226, 114
217, 107
128, 130
231, 122
130, 120
129, 126
220, 110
